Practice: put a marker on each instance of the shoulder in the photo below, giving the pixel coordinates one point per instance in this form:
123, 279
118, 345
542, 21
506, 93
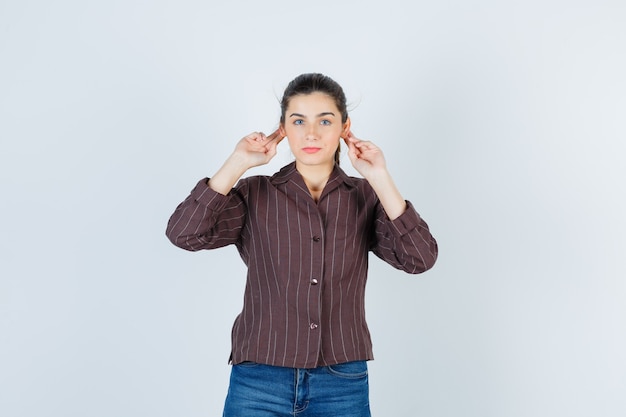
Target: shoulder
361, 184
358, 187
248, 185
265, 182
342, 176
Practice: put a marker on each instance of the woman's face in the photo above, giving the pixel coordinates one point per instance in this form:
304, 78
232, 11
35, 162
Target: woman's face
313, 127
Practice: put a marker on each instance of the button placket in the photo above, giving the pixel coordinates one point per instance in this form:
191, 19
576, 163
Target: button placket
316, 246
316, 239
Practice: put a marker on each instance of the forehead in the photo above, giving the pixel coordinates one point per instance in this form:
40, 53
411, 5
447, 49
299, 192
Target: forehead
314, 103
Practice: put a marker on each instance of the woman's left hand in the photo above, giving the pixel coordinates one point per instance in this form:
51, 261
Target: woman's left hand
366, 157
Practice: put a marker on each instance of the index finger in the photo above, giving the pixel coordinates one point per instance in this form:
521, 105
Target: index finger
276, 135
350, 138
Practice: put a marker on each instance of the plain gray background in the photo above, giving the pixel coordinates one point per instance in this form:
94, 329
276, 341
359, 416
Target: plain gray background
502, 121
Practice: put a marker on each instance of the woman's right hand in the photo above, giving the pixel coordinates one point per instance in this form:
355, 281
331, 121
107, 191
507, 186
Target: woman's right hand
257, 149
251, 151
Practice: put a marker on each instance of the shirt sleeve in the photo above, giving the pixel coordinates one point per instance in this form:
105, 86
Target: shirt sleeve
405, 242
207, 219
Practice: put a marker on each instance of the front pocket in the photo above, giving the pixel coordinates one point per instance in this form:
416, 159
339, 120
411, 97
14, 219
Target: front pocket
349, 370
247, 364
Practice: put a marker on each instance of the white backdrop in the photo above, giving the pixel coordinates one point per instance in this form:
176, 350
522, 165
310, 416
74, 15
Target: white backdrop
503, 122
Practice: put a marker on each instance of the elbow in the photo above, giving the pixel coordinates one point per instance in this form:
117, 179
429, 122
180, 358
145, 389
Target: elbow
182, 241
431, 257
426, 261
421, 267
430, 262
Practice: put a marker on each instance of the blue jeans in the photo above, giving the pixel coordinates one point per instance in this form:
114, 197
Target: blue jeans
329, 391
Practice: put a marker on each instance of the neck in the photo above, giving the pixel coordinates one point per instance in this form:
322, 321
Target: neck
315, 176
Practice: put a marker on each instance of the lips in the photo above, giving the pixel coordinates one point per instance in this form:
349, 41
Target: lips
310, 149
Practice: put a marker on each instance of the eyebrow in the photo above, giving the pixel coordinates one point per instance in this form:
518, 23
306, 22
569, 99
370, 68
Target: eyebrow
326, 113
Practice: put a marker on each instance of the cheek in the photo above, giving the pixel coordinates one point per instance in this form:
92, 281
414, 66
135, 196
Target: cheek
290, 132
334, 136
292, 141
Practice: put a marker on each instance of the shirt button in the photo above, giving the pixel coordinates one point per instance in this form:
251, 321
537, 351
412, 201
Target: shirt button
314, 281
313, 326
316, 239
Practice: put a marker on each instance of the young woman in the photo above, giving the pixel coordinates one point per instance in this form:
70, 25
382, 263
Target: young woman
300, 344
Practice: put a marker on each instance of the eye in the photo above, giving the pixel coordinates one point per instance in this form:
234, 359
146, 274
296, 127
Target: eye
298, 122
325, 122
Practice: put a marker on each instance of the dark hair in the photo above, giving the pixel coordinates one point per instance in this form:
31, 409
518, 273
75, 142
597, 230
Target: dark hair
315, 83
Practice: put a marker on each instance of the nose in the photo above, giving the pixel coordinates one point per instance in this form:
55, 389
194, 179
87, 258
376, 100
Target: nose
312, 133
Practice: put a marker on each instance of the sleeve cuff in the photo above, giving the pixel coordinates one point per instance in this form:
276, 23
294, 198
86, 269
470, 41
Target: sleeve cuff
206, 196
407, 221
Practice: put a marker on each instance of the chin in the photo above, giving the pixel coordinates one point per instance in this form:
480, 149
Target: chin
316, 162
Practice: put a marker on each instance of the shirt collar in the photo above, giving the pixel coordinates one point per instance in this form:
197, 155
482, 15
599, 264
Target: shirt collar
289, 172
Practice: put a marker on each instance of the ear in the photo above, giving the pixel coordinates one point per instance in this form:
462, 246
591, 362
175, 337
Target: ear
281, 130
346, 128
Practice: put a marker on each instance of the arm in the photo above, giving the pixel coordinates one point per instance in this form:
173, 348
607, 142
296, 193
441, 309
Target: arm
213, 214
369, 161
405, 242
207, 219
402, 237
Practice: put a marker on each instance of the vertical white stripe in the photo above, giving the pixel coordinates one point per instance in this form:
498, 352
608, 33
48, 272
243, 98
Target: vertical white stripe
289, 278
297, 353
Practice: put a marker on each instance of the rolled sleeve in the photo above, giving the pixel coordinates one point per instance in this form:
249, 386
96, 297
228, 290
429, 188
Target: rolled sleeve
407, 221
206, 196
206, 219
406, 242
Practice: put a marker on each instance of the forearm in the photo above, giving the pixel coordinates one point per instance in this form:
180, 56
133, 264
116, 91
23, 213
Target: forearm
206, 219
228, 175
388, 194
192, 220
406, 243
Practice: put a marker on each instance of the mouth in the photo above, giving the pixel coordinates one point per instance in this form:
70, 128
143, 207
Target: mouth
310, 149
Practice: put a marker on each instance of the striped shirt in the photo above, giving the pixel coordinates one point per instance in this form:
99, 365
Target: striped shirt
307, 261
